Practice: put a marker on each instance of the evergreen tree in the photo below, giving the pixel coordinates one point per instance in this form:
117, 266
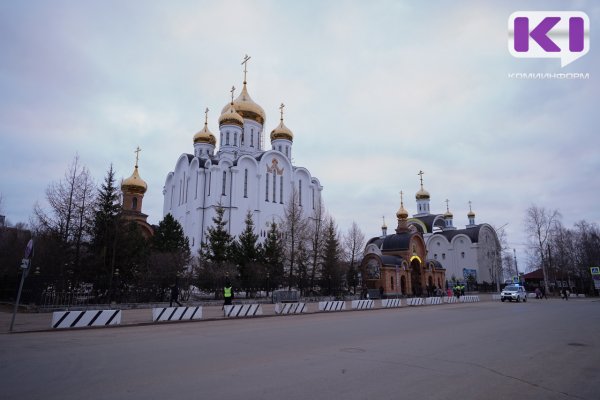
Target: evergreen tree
332, 274
218, 248
104, 229
273, 256
246, 254
172, 247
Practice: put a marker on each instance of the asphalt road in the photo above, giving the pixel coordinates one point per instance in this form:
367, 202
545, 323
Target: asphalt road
546, 349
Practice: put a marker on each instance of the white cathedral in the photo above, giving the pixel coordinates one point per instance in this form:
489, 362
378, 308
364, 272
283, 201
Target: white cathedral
240, 175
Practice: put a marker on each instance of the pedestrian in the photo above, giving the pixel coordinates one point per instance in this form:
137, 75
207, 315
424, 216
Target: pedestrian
543, 290
174, 296
381, 291
538, 293
564, 293
227, 293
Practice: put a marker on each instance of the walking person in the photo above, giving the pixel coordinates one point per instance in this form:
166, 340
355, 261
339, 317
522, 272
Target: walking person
174, 295
538, 293
543, 295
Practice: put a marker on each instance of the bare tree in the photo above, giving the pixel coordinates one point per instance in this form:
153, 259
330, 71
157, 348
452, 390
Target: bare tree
540, 224
315, 233
498, 269
294, 231
354, 242
71, 212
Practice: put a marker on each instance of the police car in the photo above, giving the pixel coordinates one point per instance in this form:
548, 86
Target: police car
513, 292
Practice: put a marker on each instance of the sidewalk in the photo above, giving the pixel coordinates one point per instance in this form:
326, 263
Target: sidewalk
41, 321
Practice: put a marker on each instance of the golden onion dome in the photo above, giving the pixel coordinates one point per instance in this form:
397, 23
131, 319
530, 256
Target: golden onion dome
471, 214
134, 184
231, 117
402, 213
246, 107
448, 214
282, 132
422, 194
205, 136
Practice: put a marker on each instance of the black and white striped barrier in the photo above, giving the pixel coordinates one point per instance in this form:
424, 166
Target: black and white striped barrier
176, 313
243, 310
332, 305
290, 308
415, 301
433, 300
469, 299
496, 297
78, 319
362, 304
531, 295
451, 300
389, 303
576, 295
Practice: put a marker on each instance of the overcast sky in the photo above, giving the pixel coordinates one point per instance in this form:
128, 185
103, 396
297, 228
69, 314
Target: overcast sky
374, 91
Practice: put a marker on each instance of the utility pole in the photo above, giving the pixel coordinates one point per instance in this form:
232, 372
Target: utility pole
516, 267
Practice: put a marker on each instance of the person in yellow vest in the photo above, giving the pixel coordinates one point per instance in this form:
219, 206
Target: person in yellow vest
228, 293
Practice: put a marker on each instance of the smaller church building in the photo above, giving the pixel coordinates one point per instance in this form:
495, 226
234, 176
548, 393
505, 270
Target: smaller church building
397, 264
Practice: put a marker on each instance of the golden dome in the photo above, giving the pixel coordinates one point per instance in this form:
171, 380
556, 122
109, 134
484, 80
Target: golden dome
402, 213
246, 107
471, 214
422, 194
448, 214
231, 117
134, 183
205, 136
282, 132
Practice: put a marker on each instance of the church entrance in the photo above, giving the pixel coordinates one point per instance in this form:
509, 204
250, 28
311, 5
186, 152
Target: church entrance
415, 277
403, 285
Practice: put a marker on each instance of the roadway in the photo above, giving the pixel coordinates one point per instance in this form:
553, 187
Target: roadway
542, 349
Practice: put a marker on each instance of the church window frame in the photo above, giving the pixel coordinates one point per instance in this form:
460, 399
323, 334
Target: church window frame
443, 256
209, 181
281, 189
242, 139
134, 203
274, 187
252, 137
224, 187
462, 254
227, 138
235, 139
392, 282
300, 193
246, 183
267, 187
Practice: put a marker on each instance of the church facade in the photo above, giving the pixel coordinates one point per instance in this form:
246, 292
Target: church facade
471, 253
239, 174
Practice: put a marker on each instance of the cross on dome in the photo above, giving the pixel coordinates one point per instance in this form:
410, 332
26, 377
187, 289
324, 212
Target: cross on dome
245, 64
137, 155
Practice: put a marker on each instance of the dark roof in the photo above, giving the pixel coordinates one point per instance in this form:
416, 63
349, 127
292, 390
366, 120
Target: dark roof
427, 220
472, 233
537, 274
391, 260
436, 264
397, 241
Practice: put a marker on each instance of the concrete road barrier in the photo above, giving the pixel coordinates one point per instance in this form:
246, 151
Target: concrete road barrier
469, 299
362, 304
415, 301
451, 300
78, 319
433, 300
290, 308
389, 303
332, 305
242, 310
496, 297
176, 313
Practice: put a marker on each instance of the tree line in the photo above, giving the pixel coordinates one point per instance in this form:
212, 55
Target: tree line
564, 255
82, 244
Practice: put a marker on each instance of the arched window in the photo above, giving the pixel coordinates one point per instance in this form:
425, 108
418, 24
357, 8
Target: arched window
134, 203
235, 139
224, 183
246, 182
281, 189
267, 187
227, 138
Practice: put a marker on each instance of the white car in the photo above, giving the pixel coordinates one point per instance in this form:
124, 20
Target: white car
513, 292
